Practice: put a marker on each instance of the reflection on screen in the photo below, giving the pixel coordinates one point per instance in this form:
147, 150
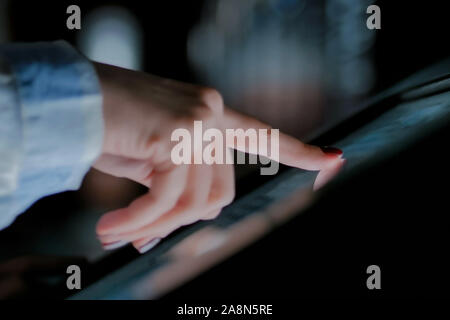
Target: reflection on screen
395, 129
150, 275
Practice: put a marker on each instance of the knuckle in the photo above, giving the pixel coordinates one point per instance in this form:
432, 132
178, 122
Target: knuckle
169, 229
203, 113
224, 200
185, 204
228, 200
228, 197
212, 99
214, 215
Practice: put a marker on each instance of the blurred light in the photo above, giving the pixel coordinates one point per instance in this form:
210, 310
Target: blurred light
112, 35
347, 48
264, 56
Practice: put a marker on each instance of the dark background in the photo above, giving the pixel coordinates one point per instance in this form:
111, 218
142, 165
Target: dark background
412, 222
413, 33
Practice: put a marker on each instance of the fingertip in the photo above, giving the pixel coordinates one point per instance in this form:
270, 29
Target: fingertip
212, 215
114, 245
109, 222
144, 246
328, 173
332, 151
333, 157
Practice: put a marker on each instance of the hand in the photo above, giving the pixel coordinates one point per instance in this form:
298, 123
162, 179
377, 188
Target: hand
141, 111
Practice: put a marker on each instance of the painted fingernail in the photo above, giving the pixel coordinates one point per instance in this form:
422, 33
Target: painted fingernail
149, 245
332, 151
114, 245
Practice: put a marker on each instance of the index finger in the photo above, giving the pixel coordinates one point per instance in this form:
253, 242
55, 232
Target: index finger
292, 152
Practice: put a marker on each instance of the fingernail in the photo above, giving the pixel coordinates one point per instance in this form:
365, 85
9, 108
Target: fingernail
334, 152
149, 245
114, 245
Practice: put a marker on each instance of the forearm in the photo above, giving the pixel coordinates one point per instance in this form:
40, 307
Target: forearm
57, 131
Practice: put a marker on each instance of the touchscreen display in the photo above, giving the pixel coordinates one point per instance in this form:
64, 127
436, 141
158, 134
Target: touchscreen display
395, 129
392, 131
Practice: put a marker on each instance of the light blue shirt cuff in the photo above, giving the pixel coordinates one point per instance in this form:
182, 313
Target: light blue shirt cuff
57, 131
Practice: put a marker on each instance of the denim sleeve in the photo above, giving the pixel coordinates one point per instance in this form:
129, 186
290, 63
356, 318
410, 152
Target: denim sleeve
51, 123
